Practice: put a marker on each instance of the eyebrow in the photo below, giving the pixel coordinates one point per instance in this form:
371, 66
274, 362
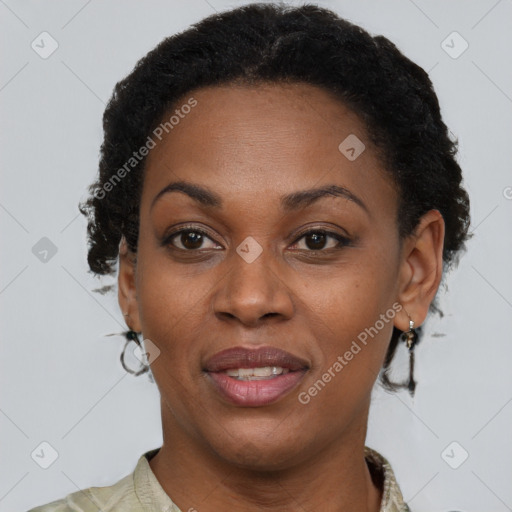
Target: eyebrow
290, 202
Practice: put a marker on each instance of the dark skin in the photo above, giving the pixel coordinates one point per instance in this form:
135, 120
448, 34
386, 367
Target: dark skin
251, 145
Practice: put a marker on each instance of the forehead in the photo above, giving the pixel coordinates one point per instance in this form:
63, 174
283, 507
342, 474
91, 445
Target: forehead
266, 141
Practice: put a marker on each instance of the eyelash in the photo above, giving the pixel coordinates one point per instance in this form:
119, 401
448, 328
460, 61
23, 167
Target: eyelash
343, 241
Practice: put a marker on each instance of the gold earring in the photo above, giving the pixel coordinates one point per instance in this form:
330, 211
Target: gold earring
410, 337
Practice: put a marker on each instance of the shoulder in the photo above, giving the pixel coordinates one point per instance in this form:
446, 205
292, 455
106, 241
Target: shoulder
392, 499
115, 498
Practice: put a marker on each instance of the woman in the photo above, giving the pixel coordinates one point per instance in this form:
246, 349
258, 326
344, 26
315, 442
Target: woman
281, 196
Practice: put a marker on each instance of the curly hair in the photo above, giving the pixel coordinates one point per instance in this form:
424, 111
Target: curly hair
260, 43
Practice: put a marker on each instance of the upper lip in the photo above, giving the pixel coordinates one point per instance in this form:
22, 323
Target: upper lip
241, 357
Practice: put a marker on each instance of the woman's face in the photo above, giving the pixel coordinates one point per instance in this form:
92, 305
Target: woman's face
265, 263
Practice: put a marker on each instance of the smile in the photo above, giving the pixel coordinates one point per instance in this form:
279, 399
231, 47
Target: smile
254, 377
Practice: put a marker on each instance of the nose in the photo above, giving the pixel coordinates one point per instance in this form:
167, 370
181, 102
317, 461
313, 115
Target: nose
253, 292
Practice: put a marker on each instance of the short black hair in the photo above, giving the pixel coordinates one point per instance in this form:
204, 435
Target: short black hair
271, 43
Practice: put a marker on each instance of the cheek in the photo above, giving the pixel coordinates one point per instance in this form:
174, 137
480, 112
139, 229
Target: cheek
356, 292
171, 307
356, 311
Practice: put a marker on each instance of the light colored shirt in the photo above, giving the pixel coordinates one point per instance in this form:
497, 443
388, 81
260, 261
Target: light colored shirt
140, 491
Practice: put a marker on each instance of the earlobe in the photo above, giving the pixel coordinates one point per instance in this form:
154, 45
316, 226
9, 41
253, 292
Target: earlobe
127, 293
422, 269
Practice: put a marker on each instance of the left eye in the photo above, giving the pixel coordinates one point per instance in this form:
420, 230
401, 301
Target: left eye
319, 240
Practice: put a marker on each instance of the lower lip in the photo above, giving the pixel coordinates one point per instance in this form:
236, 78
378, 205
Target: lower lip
255, 393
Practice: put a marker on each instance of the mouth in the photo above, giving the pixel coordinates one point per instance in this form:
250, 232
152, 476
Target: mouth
254, 377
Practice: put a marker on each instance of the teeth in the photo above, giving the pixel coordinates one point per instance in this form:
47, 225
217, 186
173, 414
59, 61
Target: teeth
265, 372
256, 373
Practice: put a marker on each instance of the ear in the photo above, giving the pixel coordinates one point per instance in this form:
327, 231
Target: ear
421, 269
127, 293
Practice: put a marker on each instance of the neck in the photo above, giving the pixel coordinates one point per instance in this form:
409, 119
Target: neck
335, 478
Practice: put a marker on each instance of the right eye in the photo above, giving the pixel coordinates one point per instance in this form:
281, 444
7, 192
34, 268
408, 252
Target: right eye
189, 239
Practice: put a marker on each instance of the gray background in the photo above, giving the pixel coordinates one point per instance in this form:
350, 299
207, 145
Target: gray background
60, 377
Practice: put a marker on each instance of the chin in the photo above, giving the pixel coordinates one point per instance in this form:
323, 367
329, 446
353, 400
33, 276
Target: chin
263, 453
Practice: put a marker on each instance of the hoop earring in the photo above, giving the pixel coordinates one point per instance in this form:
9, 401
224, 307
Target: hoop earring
132, 336
410, 338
